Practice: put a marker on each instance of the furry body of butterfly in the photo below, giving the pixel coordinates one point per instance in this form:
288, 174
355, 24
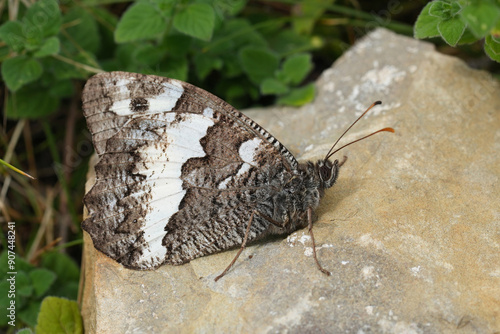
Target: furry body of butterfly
280, 208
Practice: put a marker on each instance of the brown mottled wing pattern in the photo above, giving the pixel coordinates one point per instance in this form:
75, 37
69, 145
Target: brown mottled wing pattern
179, 173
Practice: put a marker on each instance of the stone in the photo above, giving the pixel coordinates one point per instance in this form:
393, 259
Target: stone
410, 231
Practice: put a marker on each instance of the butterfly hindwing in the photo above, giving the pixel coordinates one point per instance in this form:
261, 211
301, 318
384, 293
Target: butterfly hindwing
179, 173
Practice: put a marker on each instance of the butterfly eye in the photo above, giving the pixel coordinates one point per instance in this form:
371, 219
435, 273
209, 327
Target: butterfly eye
325, 172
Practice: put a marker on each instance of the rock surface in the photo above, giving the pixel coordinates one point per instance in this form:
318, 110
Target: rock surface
411, 231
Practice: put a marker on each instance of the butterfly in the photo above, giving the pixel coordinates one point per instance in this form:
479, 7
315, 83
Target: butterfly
182, 174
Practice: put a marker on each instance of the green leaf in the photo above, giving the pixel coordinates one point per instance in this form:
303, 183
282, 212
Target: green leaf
25, 331
230, 7
237, 91
299, 96
467, 37
29, 313
176, 68
106, 27
451, 30
42, 280
295, 68
62, 265
4, 299
61, 88
141, 21
235, 34
43, 18
148, 54
197, 20
258, 64
426, 24
178, 44
4, 51
480, 17
437, 9
59, 315
495, 32
495, 38
83, 31
30, 102
50, 47
124, 56
308, 13
67, 273
287, 42
19, 71
444, 9
12, 34
23, 284
272, 86
206, 63
62, 70
231, 66
492, 48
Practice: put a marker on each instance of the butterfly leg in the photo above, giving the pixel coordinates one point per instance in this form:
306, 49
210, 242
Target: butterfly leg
310, 221
243, 244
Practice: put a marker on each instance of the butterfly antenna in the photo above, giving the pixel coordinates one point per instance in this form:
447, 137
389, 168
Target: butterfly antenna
371, 134
330, 153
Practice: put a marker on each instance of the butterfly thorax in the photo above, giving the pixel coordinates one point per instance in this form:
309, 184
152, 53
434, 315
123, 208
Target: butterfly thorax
298, 192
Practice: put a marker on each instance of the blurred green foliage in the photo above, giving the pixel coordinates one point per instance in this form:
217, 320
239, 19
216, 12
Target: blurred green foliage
209, 43
462, 22
56, 275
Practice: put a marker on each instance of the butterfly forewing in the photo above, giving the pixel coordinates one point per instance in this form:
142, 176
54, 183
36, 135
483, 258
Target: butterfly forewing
180, 171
